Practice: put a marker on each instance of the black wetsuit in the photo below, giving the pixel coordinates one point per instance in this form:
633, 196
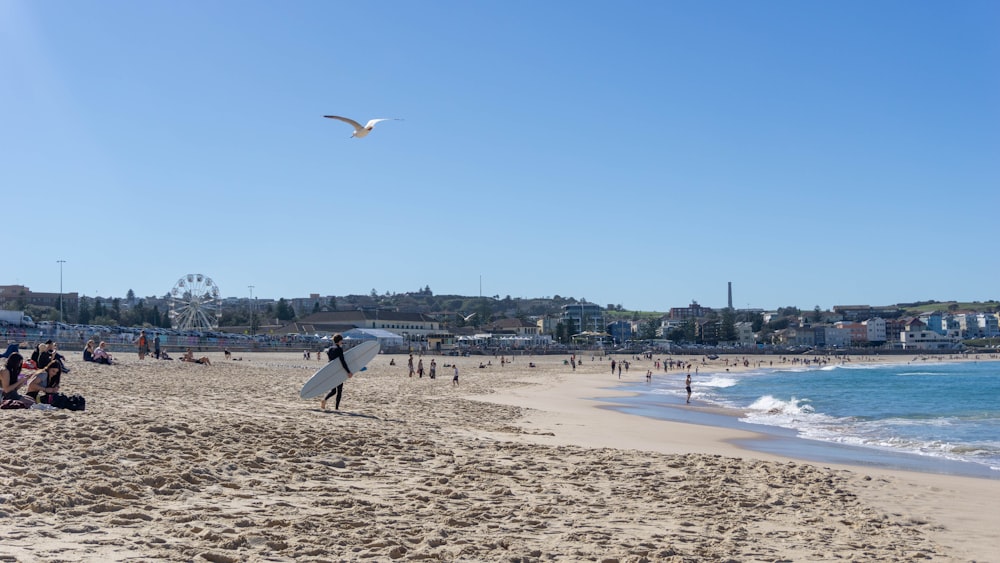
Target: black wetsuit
332, 354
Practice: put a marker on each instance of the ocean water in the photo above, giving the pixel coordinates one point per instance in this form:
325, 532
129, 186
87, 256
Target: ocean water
946, 411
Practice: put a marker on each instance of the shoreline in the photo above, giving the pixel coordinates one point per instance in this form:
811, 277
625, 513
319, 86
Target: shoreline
587, 411
786, 442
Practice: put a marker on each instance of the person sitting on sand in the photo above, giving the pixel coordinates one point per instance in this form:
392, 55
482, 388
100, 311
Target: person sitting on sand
88, 352
101, 355
46, 381
47, 353
189, 357
9, 380
164, 355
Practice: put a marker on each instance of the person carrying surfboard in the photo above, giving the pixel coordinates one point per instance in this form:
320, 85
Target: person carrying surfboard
332, 353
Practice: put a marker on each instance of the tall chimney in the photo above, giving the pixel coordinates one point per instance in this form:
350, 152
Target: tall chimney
730, 296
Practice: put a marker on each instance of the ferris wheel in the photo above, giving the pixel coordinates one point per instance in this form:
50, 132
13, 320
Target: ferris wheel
195, 303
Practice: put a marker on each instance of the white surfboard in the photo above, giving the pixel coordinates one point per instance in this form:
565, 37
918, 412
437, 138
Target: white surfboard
332, 374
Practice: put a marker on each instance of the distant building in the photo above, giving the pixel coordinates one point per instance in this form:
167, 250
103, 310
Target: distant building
918, 336
967, 324
547, 325
692, 311
829, 336
796, 336
875, 330
744, 333
858, 331
822, 317
306, 305
865, 312
620, 331
585, 317
387, 340
19, 296
706, 331
411, 326
513, 326
988, 325
667, 325
934, 321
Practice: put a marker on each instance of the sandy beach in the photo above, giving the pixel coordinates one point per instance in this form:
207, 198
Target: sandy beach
174, 461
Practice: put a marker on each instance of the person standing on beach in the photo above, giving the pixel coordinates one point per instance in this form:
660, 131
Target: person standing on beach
420, 368
410, 365
332, 354
434, 367
687, 384
454, 380
141, 342
156, 346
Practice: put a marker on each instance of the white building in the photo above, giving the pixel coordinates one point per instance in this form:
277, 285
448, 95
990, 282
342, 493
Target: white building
744, 333
411, 326
988, 325
834, 337
918, 336
668, 325
875, 328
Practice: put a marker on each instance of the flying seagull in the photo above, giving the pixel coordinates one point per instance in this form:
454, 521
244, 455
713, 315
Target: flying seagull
361, 130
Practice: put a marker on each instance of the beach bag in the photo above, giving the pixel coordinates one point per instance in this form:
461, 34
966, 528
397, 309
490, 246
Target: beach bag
77, 403
71, 402
29, 364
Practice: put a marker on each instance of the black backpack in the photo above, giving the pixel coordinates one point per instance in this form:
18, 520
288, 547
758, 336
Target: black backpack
69, 402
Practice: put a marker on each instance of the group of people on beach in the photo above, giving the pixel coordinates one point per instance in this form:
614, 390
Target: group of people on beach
21, 388
98, 354
143, 342
35, 380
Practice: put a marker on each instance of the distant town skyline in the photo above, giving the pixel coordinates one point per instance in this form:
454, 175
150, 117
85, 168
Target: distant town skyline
986, 303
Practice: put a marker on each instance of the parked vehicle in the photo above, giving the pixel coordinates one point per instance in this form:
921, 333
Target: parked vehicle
16, 318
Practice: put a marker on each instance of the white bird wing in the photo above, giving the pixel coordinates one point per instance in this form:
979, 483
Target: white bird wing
372, 123
357, 126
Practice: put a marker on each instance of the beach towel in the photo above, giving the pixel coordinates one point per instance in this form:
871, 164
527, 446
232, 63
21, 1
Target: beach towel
19, 403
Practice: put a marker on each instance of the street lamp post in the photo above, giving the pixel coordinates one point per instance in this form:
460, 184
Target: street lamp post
61, 262
253, 329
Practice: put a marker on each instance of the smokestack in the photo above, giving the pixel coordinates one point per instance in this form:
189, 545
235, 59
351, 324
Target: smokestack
730, 296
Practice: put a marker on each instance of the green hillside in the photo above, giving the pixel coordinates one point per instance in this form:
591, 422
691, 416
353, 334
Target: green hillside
949, 306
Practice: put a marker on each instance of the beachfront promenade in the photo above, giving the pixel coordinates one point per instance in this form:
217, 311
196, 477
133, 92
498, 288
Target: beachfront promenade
118, 343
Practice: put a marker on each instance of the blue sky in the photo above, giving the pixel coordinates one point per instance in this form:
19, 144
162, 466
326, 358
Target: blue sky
634, 153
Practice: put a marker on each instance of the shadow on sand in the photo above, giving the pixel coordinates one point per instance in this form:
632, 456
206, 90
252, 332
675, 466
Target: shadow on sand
356, 414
